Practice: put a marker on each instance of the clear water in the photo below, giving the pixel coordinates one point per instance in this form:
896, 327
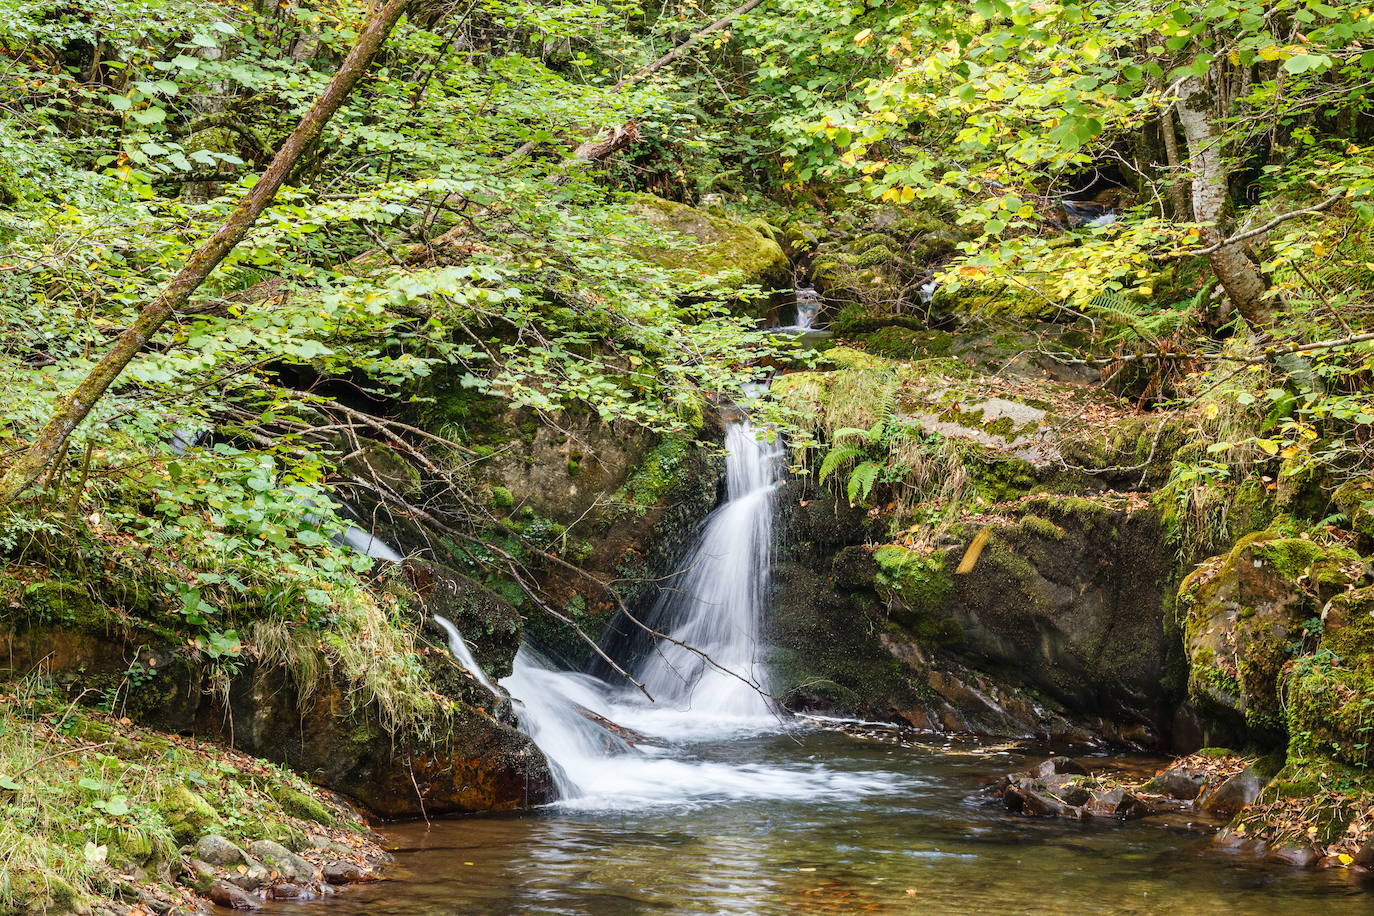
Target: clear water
907, 841
458, 648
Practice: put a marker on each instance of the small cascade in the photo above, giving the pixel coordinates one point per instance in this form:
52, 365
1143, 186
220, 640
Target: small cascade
364, 542
713, 609
808, 303
458, 648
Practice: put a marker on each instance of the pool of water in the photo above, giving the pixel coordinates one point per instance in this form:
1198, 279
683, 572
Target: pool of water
873, 826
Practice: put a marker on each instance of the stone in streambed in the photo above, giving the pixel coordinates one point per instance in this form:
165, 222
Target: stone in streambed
1119, 803
1231, 796
289, 865
1058, 766
235, 898
1297, 856
344, 873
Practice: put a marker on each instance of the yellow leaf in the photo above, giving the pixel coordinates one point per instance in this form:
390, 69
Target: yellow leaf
1345, 859
1272, 53
863, 37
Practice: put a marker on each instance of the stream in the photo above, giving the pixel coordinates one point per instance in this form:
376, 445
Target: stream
708, 800
892, 831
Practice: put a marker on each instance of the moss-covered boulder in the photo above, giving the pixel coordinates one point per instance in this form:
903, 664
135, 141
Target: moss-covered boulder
1071, 597
704, 244
1245, 615
1355, 498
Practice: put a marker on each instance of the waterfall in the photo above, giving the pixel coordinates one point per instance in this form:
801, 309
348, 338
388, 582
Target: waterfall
590, 731
714, 605
458, 648
808, 303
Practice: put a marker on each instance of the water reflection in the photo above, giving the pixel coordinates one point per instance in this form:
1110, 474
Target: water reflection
920, 847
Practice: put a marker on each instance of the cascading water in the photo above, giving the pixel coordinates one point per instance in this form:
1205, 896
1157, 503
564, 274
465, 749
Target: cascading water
713, 609
714, 606
458, 648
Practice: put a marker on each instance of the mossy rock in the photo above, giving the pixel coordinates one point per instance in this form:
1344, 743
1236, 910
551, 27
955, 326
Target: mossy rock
714, 244
918, 588
1355, 499
904, 343
188, 815
1243, 611
299, 805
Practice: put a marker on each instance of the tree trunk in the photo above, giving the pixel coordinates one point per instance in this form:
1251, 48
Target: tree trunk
1239, 275
1178, 193
73, 408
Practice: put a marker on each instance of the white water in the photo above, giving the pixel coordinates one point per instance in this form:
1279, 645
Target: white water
715, 605
808, 307
458, 648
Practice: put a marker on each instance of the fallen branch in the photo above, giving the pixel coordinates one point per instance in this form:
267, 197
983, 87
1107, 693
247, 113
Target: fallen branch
1270, 353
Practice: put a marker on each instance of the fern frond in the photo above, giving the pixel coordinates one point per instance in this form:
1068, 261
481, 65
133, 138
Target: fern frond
862, 479
837, 456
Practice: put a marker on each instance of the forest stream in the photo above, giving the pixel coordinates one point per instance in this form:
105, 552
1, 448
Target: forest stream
893, 831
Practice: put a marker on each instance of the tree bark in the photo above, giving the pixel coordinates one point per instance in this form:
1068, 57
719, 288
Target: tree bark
75, 407
1178, 193
1240, 277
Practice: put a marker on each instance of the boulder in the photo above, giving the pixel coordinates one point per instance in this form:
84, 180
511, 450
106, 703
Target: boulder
344, 873
699, 243
235, 898
1229, 797
1297, 856
216, 850
1242, 610
1119, 803
1058, 766
286, 863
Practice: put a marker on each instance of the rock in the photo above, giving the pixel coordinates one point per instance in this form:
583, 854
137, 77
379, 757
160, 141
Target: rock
288, 891
216, 850
1232, 795
1028, 796
344, 873
1297, 856
187, 814
1364, 856
714, 244
1119, 803
199, 875
1058, 766
235, 898
289, 865
1179, 781
252, 877
1242, 609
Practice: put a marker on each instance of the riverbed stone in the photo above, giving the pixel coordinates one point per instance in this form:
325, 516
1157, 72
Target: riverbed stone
289, 865
1230, 796
343, 873
235, 898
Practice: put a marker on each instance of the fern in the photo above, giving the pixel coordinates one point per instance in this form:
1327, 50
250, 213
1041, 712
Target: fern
862, 479
837, 456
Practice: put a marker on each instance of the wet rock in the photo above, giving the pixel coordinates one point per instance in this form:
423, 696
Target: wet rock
251, 877
1180, 781
1119, 803
1232, 795
216, 850
1026, 797
1364, 856
1058, 766
1297, 856
289, 865
344, 873
199, 875
235, 898
287, 891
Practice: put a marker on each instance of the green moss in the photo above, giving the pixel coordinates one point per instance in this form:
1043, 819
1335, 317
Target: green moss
922, 586
904, 343
188, 815
1043, 528
713, 244
299, 805
501, 497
